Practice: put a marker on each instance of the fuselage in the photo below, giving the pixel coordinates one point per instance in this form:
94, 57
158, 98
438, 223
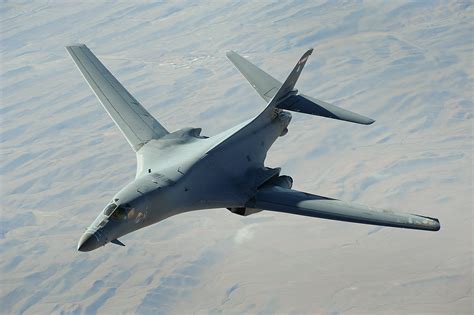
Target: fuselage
184, 171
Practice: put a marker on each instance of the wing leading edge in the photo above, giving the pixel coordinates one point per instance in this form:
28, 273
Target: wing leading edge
280, 199
134, 121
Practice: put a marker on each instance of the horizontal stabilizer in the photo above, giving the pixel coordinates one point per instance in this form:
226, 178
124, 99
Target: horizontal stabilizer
280, 199
308, 105
265, 85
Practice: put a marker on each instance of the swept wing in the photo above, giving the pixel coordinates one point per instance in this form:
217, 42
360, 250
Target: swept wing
134, 121
279, 199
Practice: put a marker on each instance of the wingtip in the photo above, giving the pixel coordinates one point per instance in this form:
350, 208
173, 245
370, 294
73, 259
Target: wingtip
230, 53
362, 120
370, 121
437, 225
434, 224
75, 45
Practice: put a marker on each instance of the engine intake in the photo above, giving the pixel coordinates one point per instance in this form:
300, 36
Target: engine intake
280, 181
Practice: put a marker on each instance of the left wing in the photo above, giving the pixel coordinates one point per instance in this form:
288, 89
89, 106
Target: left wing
275, 198
134, 121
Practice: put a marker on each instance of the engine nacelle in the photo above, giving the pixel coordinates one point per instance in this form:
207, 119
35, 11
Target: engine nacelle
281, 181
284, 118
244, 211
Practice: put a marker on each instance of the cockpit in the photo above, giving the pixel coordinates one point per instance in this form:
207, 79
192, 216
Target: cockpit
110, 209
115, 212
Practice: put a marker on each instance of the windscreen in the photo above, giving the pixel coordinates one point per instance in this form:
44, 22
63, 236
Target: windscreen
119, 214
109, 209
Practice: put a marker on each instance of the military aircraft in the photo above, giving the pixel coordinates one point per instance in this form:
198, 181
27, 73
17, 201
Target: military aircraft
183, 171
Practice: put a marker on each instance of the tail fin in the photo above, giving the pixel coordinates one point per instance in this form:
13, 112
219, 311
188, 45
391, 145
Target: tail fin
284, 96
288, 87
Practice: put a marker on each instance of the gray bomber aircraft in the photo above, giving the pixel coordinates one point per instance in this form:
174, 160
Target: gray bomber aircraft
184, 171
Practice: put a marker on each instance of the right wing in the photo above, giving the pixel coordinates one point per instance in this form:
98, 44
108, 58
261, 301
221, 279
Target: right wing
134, 121
275, 198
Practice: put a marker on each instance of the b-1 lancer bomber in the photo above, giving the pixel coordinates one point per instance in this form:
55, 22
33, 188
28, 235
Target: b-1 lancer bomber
183, 170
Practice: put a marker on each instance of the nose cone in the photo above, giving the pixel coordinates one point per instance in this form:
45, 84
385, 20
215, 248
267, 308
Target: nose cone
88, 242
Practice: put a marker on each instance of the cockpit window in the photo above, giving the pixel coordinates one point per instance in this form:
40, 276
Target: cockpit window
109, 209
119, 214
